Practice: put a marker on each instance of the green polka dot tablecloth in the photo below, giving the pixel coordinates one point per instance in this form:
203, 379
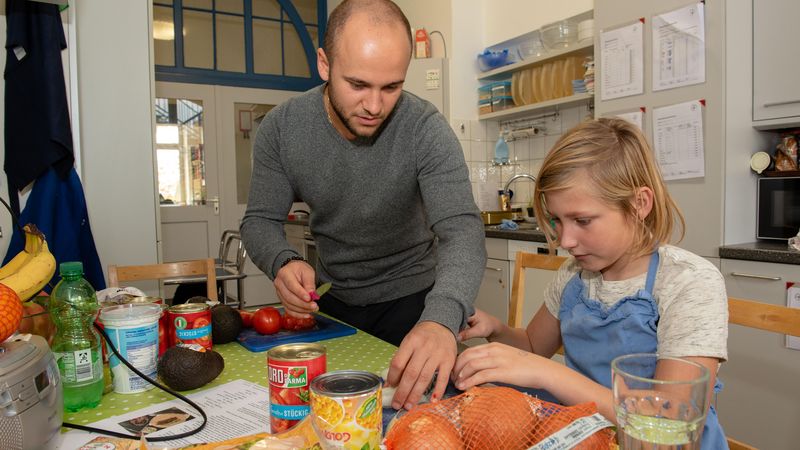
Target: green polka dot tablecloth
359, 351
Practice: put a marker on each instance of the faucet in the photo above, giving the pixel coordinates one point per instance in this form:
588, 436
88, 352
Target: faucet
517, 177
509, 193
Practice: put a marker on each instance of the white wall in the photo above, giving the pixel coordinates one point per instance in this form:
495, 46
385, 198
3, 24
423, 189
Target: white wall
433, 16
506, 19
115, 83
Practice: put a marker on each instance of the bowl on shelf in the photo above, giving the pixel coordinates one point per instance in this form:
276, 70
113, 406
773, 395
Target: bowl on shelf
489, 60
532, 48
559, 35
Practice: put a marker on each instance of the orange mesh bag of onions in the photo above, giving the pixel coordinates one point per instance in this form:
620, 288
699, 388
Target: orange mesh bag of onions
493, 418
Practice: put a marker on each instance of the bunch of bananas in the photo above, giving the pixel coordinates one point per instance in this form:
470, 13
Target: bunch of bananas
30, 269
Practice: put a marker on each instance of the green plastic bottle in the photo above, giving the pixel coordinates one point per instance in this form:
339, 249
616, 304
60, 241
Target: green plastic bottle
74, 307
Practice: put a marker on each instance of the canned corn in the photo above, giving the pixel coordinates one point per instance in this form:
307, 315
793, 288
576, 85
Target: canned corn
346, 409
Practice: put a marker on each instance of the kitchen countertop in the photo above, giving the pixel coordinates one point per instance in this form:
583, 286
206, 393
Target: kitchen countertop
523, 234
763, 251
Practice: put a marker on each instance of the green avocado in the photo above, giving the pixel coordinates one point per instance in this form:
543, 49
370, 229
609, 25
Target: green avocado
226, 324
182, 368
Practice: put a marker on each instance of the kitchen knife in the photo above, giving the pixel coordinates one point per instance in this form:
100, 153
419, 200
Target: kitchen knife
321, 290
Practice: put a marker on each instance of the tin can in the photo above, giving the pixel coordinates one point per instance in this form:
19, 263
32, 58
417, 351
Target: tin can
190, 323
163, 322
346, 409
291, 369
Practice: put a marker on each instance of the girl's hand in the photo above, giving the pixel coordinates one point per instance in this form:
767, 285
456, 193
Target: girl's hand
481, 325
497, 362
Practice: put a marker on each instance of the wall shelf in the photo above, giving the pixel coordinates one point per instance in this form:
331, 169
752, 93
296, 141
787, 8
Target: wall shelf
586, 49
527, 110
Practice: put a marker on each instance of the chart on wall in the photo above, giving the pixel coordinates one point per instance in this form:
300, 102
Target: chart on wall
679, 52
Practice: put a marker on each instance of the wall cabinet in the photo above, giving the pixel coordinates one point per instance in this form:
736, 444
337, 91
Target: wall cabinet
776, 93
761, 374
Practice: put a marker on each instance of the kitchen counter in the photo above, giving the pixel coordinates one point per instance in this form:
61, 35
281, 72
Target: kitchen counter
523, 234
764, 251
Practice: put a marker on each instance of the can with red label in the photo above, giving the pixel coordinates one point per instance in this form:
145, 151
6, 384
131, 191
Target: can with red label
190, 323
163, 322
291, 368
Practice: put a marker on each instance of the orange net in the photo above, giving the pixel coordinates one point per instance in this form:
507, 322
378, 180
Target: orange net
490, 418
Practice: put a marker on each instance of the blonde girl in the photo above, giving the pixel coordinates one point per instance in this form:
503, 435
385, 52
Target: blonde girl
624, 289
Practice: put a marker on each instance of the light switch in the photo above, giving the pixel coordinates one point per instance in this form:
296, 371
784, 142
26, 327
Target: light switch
793, 301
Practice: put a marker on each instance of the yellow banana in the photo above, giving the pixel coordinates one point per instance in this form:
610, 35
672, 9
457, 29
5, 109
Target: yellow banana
21, 258
36, 269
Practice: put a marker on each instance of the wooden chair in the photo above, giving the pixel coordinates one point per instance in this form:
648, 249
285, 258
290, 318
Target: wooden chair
527, 261
761, 316
199, 267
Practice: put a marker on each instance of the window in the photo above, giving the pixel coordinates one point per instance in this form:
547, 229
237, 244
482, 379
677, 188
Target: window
179, 152
247, 43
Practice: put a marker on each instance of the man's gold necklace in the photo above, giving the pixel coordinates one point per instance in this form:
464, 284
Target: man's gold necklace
326, 104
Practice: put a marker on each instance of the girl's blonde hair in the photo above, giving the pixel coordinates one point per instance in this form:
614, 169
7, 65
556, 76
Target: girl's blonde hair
618, 161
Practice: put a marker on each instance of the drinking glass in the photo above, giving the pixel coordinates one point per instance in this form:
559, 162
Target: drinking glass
660, 401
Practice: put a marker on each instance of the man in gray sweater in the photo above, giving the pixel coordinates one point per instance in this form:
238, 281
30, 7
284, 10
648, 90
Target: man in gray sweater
392, 214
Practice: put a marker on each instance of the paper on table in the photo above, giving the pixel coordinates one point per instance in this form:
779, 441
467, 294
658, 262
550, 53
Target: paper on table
679, 48
622, 61
237, 408
678, 140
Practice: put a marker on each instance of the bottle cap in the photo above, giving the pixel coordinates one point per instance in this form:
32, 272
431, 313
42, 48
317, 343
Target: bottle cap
71, 268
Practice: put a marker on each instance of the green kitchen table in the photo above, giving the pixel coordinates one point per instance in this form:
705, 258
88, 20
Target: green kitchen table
359, 351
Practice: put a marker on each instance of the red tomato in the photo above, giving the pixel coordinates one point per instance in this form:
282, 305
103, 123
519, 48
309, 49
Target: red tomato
247, 318
267, 320
292, 323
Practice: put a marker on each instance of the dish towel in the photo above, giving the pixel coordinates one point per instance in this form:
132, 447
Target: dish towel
509, 225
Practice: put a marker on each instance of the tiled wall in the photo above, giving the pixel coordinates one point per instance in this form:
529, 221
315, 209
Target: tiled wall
478, 139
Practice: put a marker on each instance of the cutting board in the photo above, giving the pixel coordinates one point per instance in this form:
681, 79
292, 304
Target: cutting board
325, 329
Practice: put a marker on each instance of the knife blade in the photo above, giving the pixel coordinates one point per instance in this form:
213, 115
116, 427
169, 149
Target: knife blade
321, 290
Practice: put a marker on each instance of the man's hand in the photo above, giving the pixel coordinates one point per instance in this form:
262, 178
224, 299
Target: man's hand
427, 349
293, 282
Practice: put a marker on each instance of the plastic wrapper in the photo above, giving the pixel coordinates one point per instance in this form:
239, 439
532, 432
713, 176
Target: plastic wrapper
786, 154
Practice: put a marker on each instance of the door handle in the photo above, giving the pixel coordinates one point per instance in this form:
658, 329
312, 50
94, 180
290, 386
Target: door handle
494, 268
215, 201
782, 103
758, 277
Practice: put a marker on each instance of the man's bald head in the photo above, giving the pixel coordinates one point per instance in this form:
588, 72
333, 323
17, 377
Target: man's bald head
379, 12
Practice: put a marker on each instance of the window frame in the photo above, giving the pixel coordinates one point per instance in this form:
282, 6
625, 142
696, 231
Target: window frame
182, 74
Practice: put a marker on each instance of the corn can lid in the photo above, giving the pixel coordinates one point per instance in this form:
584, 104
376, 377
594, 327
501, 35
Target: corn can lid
342, 383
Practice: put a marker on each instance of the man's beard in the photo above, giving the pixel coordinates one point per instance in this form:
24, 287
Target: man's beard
360, 139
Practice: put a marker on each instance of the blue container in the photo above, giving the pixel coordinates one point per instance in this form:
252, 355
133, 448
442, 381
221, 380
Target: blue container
489, 60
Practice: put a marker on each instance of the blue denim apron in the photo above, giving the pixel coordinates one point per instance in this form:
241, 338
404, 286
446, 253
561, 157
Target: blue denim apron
594, 334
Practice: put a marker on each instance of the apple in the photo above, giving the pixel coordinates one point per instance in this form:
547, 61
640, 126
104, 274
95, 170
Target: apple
36, 320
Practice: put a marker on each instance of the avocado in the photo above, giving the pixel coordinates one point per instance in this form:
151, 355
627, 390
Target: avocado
182, 368
226, 324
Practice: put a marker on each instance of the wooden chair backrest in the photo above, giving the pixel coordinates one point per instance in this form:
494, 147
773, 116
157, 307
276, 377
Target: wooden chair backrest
527, 261
761, 316
764, 316
199, 267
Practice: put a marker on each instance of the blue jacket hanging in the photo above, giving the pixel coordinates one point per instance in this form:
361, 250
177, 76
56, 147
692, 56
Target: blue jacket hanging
58, 208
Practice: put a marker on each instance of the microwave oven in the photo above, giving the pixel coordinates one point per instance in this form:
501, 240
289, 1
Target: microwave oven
778, 207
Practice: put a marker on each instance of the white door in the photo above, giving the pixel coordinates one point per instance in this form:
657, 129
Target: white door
239, 112
187, 171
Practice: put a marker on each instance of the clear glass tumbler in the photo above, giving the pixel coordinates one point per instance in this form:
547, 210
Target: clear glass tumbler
660, 401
